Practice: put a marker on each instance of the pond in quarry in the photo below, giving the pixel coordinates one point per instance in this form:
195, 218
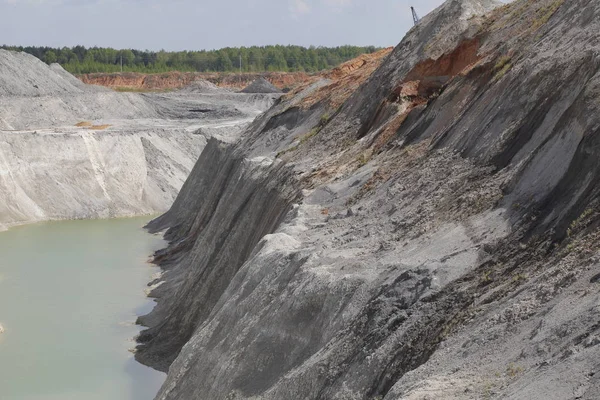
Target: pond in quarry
70, 293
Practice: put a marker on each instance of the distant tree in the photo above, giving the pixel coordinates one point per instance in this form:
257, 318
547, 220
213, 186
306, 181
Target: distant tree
79, 52
224, 62
80, 59
50, 57
127, 56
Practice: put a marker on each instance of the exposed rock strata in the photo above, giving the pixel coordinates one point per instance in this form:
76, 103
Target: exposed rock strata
241, 202
445, 243
177, 80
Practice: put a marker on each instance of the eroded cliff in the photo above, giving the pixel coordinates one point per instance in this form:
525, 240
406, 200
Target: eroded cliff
430, 232
70, 150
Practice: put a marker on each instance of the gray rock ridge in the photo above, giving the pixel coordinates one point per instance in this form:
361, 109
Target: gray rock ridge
441, 30
445, 242
235, 202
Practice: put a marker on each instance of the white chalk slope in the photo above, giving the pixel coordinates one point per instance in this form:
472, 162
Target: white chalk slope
50, 169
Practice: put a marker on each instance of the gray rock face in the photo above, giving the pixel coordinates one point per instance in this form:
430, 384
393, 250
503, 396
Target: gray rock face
445, 241
236, 203
439, 32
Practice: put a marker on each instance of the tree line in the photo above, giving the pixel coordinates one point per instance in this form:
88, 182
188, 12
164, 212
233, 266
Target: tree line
82, 60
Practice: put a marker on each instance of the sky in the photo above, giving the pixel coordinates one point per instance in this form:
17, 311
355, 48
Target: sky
175, 25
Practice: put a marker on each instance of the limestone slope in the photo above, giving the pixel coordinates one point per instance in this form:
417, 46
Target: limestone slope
429, 233
34, 95
87, 174
70, 150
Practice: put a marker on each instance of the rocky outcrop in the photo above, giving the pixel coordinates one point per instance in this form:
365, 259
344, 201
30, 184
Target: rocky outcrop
444, 244
241, 202
341, 82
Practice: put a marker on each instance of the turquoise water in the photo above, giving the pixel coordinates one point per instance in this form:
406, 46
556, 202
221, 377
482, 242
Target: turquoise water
69, 296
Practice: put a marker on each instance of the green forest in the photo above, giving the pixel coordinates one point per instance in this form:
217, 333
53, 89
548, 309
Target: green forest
82, 60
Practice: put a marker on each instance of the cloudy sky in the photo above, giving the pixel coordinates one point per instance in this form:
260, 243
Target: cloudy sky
206, 24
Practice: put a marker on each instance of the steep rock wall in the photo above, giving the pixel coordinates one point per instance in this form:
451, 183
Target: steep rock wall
228, 202
445, 244
86, 174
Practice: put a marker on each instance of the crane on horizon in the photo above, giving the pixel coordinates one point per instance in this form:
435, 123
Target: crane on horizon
416, 18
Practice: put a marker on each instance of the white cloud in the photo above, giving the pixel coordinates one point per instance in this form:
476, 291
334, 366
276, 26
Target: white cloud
299, 7
62, 2
338, 3
35, 2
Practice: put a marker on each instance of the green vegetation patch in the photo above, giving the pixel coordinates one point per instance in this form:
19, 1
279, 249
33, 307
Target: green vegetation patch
544, 14
502, 67
82, 60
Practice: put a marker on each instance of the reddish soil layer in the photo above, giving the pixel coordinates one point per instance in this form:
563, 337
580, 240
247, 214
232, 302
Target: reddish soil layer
177, 80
